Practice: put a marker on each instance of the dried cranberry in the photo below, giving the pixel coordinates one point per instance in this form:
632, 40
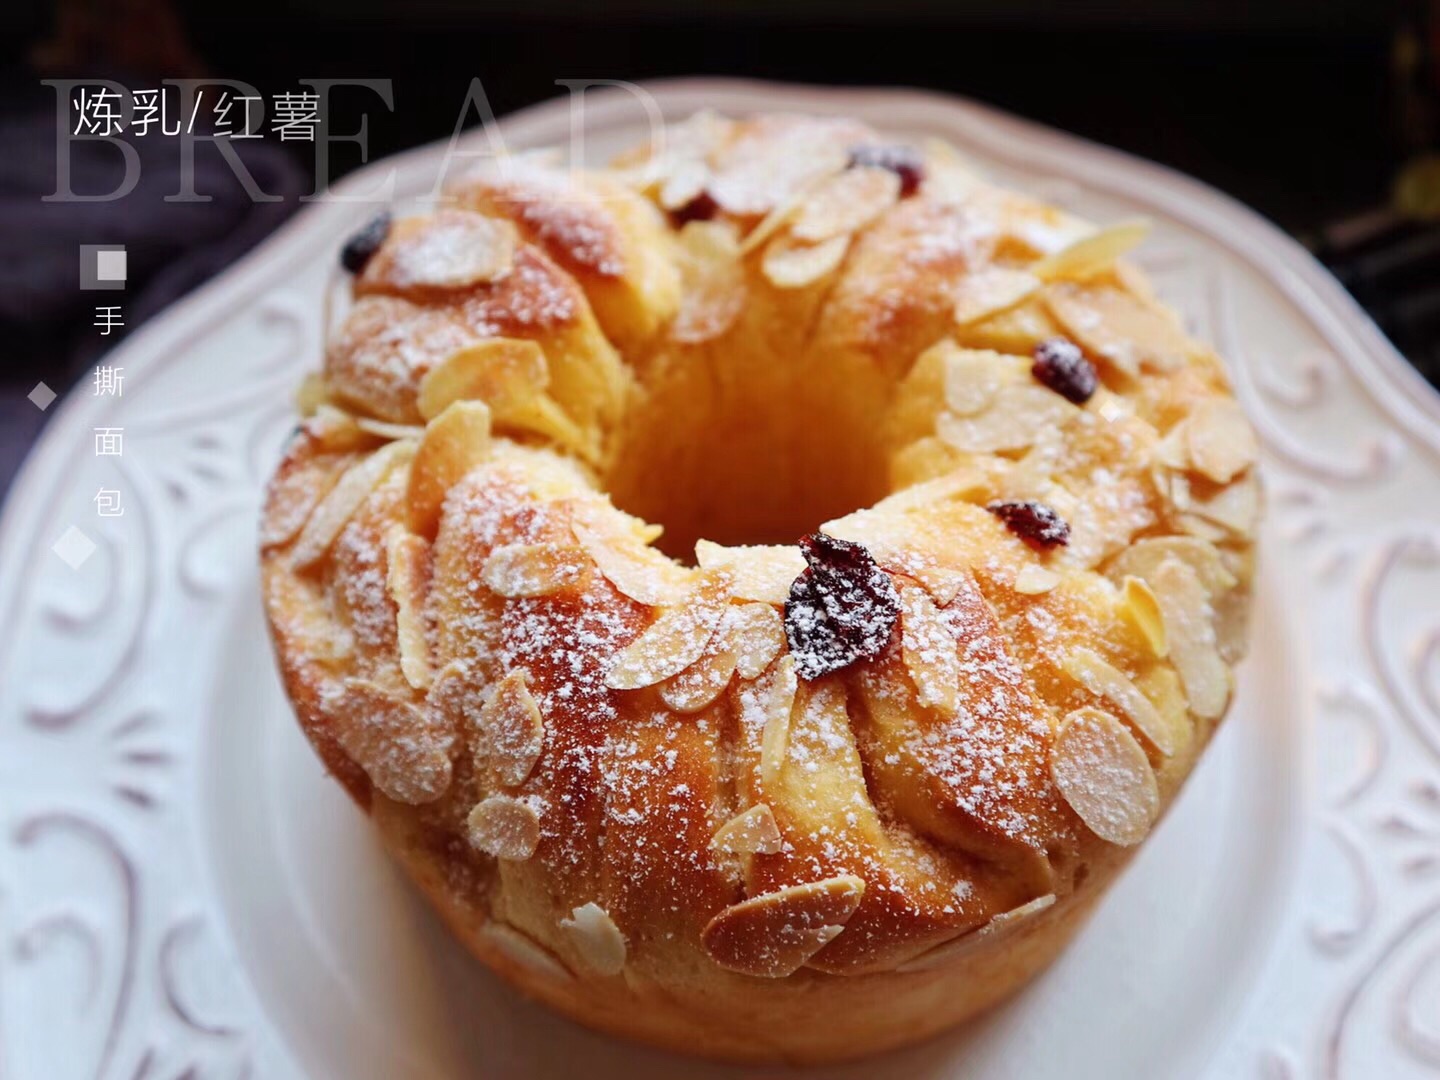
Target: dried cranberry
1060, 365
359, 249
904, 161
702, 207
842, 608
1034, 522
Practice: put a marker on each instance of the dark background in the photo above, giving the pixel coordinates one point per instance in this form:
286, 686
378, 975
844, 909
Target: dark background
1310, 112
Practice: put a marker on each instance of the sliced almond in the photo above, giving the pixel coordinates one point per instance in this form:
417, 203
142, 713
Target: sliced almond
1103, 773
757, 635
1190, 628
291, 498
703, 681
1020, 914
387, 430
407, 563
510, 731
454, 699
712, 280
1034, 579
1134, 281
990, 291
791, 264
347, 496
1233, 510
451, 250
455, 442
779, 216
523, 950
1017, 417
778, 703
403, 752
311, 394
941, 582
1106, 681
676, 639
1091, 254
773, 935
1139, 606
954, 485
596, 938
524, 570
845, 203
1221, 442
1143, 559
639, 572
1113, 324
972, 379
335, 429
505, 373
749, 833
685, 179
760, 572
504, 827
930, 650
950, 951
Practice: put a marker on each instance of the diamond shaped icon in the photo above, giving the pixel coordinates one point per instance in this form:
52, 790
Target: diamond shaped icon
42, 396
74, 548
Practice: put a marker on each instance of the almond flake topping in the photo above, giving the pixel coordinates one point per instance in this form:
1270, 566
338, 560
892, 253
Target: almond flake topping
1016, 419
636, 570
760, 572
524, 950
713, 282
1033, 579
751, 832
792, 264
505, 373
1112, 324
778, 703
1190, 628
1103, 773
347, 496
407, 558
676, 639
504, 827
1106, 681
451, 250
846, 203
1091, 254
1220, 439
455, 442
405, 755
773, 935
950, 951
757, 636
1139, 606
509, 730
524, 570
386, 430
989, 291
596, 938
930, 650
1143, 559
704, 680
972, 379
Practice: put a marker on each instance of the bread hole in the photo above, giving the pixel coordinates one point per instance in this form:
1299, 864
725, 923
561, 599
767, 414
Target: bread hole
742, 445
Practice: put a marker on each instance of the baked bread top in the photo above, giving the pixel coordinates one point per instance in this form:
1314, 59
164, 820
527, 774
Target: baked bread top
964, 520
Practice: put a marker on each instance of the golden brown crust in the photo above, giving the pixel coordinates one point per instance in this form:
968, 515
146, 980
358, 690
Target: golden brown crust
604, 767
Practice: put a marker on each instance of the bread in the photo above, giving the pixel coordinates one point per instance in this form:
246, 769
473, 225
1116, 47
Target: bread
956, 561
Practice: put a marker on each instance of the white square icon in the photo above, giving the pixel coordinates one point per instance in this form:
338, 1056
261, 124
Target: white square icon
110, 265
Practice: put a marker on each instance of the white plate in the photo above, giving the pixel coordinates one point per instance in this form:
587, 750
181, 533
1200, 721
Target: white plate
182, 889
